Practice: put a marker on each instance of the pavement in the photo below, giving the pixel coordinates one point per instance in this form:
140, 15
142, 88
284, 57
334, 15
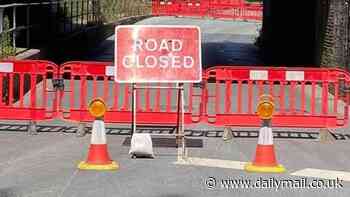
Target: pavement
45, 165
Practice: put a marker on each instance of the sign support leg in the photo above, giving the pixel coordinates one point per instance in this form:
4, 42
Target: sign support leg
181, 124
178, 124
133, 110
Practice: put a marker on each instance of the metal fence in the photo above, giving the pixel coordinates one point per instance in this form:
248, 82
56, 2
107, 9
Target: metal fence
30, 25
27, 25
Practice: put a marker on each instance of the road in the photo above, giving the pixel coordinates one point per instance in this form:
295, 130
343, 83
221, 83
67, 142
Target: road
45, 165
223, 42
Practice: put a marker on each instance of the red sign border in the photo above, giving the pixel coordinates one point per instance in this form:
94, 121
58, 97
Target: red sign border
159, 81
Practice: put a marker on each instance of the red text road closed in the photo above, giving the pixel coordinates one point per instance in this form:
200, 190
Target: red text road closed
157, 54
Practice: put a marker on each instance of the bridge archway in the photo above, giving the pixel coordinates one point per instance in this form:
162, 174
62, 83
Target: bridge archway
309, 33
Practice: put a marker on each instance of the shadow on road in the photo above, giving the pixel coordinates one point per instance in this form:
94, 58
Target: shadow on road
213, 53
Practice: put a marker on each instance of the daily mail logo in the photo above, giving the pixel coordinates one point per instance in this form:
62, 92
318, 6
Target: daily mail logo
146, 54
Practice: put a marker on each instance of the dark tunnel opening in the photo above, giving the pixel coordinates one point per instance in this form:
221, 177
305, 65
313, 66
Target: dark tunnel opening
306, 33
290, 33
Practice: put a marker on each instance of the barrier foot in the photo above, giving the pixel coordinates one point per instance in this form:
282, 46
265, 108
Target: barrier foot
32, 128
182, 153
227, 136
325, 136
81, 132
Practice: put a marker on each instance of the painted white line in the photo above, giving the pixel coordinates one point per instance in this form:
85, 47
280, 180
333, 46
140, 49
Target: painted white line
323, 174
214, 163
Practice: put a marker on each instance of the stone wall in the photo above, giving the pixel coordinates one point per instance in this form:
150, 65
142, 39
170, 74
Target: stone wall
335, 48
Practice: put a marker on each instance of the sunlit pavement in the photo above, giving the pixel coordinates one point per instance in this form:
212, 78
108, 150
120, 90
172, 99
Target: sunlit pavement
46, 165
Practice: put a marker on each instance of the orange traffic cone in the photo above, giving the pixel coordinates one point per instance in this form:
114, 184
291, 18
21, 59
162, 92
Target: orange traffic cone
265, 159
98, 157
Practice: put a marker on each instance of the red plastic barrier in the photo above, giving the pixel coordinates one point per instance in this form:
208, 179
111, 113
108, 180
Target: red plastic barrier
193, 8
87, 80
24, 90
241, 13
165, 7
228, 96
219, 4
225, 9
304, 97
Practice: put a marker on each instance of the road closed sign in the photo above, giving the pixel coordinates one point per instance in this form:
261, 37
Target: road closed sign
146, 54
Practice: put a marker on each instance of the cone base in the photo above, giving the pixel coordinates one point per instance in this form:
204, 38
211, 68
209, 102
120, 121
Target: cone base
250, 167
86, 166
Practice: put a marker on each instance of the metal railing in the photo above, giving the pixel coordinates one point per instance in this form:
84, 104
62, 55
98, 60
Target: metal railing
33, 25
27, 25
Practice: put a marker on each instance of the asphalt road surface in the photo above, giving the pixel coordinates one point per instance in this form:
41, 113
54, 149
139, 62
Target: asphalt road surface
45, 165
223, 42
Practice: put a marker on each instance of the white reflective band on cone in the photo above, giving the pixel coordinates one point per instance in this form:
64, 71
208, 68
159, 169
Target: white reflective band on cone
6, 67
265, 136
109, 71
98, 135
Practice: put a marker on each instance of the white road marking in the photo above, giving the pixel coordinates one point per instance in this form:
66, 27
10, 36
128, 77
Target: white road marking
239, 165
69, 182
324, 174
215, 163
